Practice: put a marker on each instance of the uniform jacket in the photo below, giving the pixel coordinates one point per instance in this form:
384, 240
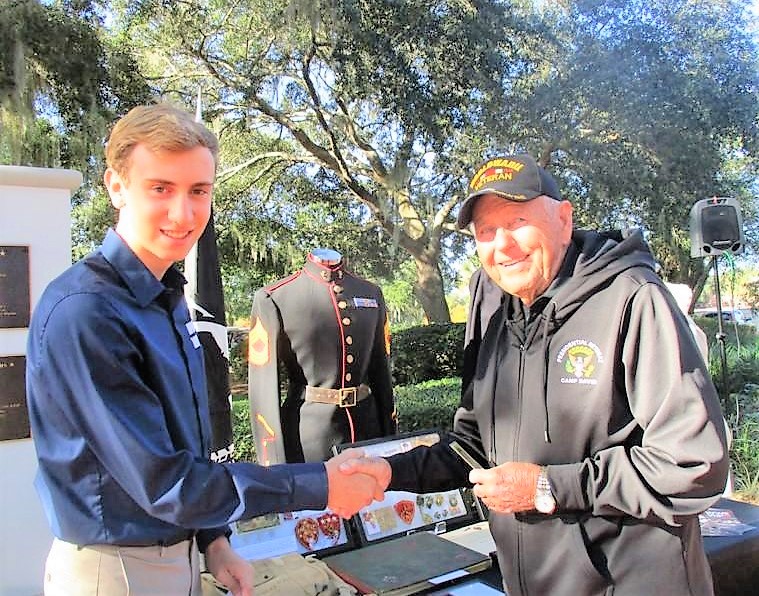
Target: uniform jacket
320, 327
608, 390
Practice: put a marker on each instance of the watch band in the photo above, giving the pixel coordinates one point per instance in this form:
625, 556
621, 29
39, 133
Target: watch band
544, 499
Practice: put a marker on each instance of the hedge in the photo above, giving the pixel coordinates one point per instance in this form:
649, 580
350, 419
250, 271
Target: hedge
427, 352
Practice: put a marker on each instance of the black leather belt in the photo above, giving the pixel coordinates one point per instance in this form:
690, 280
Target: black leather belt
344, 398
176, 539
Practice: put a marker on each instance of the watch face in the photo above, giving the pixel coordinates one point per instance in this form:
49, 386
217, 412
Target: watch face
545, 503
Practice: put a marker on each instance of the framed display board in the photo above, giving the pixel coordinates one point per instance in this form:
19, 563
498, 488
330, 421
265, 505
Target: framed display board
404, 512
14, 414
14, 286
304, 532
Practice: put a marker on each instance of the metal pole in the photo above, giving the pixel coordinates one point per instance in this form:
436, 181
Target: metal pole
721, 340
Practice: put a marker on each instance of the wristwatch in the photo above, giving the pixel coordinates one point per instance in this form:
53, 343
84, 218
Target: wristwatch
544, 501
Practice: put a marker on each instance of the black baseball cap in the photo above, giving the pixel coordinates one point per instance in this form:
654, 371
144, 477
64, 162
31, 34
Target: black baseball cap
513, 177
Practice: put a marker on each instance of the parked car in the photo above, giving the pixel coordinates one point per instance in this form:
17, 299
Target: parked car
742, 316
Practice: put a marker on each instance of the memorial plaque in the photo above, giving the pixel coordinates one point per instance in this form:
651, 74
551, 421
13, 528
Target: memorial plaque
14, 286
14, 415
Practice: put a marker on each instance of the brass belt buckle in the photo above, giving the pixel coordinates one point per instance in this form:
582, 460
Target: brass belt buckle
347, 397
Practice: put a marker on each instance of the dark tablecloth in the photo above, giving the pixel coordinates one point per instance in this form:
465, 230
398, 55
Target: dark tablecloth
735, 559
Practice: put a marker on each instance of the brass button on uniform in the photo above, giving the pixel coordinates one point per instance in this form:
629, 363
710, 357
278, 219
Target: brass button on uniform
349, 340
349, 358
337, 289
346, 321
342, 304
348, 377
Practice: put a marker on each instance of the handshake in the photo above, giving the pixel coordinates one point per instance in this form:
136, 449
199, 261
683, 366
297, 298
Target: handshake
355, 480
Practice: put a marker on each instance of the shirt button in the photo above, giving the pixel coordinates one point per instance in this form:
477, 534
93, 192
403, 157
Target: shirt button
337, 289
349, 358
349, 340
346, 321
348, 377
342, 304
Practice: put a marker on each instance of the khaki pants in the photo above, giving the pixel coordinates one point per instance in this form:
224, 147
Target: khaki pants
104, 570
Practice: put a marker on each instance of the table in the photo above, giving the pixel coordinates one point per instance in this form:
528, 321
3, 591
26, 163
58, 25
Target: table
735, 559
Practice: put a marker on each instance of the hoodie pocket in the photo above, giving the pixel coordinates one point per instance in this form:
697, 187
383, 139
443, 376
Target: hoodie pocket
550, 556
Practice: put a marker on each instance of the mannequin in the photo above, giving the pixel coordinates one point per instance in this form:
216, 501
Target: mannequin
326, 332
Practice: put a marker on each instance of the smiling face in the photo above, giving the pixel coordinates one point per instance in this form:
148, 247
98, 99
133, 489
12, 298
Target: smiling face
164, 202
521, 245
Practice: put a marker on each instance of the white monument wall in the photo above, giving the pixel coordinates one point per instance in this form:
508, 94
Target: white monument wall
35, 211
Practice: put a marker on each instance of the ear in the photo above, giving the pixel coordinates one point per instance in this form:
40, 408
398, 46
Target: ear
565, 218
115, 186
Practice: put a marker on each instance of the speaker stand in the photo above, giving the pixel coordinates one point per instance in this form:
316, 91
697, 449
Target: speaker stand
721, 336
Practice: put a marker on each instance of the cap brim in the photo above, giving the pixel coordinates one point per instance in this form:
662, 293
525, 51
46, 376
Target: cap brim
465, 213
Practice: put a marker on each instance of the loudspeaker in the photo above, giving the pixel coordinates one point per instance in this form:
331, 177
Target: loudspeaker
716, 227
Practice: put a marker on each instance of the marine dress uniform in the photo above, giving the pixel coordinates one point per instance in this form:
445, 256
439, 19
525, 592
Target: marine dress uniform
327, 331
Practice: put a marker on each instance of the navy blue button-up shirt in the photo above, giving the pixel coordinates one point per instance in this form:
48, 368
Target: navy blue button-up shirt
119, 414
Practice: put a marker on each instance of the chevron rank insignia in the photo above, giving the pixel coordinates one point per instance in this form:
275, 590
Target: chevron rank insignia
258, 345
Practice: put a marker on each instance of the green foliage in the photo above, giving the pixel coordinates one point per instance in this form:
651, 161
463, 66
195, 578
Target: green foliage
430, 404
644, 107
242, 435
398, 289
744, 452
427, 352
742, 362
76, 91
355, 103
238, 355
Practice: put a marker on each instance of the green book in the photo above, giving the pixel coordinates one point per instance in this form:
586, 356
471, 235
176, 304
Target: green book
406, 565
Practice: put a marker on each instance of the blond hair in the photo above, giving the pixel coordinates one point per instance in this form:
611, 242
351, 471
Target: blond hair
160, 127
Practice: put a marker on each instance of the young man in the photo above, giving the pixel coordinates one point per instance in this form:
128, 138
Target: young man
590, 402
117, 393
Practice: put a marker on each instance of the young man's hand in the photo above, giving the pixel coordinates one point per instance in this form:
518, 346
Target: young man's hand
229, 568
355, 481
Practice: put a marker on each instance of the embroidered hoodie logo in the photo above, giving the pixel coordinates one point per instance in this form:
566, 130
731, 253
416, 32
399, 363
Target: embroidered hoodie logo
579, 359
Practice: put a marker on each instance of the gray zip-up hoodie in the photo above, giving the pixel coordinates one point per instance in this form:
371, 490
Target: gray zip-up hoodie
605, 387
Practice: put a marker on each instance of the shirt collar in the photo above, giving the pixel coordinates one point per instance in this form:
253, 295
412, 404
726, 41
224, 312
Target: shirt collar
326, 273
137, 277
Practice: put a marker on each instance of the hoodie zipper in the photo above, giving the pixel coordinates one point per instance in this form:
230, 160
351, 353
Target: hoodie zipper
515, 456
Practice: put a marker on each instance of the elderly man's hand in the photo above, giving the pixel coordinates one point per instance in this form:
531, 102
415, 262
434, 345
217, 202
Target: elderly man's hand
508, 488
354, 482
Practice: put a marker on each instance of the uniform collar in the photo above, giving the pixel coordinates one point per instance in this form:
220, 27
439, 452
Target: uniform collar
137, 277
325, 273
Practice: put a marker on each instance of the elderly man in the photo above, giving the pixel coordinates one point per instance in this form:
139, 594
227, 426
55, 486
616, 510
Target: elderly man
590, 405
